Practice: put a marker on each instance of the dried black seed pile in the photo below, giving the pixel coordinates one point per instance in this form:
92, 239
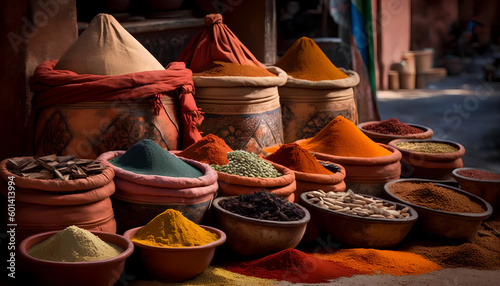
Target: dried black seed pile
263, 205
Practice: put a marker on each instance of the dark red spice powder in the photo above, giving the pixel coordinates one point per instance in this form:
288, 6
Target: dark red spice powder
479, 174
393, 127
294, 266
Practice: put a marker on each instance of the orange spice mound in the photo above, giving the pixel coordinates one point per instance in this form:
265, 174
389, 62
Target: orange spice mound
306, 60
211, 149
377, 261
341, 137
296, 158
218, 68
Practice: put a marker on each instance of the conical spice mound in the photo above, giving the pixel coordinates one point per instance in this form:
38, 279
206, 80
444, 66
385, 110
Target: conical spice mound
305, 60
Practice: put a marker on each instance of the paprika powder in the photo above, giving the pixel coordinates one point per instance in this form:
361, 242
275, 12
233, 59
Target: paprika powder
211, 149
291, 155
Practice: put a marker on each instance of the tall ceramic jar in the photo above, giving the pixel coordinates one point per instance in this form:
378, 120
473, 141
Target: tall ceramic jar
244, 111
308, 106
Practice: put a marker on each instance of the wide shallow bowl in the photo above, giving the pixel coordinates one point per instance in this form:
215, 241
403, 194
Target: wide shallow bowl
176, 264
489, 190
360, 231
460, 226
100, 272
255, 237
432, 166
386, 138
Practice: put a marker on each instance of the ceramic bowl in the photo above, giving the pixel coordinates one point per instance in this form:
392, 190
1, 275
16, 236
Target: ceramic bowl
255, 237
459, 226
432, 166
386, 138
100, 272
489, 190
360, 231
176, 264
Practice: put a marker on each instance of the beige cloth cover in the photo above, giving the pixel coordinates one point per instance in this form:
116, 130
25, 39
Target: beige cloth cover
106, 48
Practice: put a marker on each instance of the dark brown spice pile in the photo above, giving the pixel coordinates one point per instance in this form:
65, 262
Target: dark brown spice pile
263, 205
435, 197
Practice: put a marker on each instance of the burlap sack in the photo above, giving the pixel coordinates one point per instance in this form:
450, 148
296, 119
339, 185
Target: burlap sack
106, 48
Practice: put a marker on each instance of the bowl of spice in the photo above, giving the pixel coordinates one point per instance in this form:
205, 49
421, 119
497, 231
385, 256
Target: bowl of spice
391, 129
75, 256
172, 248
443, 210
482, 183
431, 159
359, 220
246, 173
260, 223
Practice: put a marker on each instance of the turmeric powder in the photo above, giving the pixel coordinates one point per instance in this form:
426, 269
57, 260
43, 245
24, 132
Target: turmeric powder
341, 137
377, 261
172, 229
306, 60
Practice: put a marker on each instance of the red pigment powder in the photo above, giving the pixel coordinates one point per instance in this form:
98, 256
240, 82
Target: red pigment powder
294, 266
479, 174
393, 127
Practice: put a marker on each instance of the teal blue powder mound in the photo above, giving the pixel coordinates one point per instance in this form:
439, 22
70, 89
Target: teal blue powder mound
148, 158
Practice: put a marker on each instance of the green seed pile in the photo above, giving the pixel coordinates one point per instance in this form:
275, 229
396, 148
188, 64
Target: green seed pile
247, 164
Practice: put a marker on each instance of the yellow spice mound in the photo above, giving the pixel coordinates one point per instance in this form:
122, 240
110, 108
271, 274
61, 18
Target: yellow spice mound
172, 229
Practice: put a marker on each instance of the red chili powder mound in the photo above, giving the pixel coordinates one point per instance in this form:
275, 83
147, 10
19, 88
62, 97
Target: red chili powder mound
393, 127
294, 266
211, 149
479, 174
435, 197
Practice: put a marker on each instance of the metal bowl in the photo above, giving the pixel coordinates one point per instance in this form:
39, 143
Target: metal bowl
460, 226
360, 231
255, 237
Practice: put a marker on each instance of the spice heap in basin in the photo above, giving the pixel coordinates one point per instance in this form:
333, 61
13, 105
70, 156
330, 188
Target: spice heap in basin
174, 249
482, 183
75, 256
387, 130
358, 220
443, 210
260, 223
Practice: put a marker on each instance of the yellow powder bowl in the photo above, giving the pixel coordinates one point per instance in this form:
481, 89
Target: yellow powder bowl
176, 264
100, 272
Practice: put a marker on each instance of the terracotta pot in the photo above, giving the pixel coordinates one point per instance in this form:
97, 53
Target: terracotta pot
257, 237
176, 264
244, 111
434, 166
423, 60
489, 190
88, 129
100, 272
308, 106
359, 231
386, 138
46, 205
368, 175
284, 186
139, 198
450, 225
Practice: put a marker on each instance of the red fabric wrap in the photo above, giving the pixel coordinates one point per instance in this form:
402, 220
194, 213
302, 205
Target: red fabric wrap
65, 87
215, 42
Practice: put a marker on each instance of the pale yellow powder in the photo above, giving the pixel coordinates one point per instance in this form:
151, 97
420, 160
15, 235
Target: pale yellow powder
74, 244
